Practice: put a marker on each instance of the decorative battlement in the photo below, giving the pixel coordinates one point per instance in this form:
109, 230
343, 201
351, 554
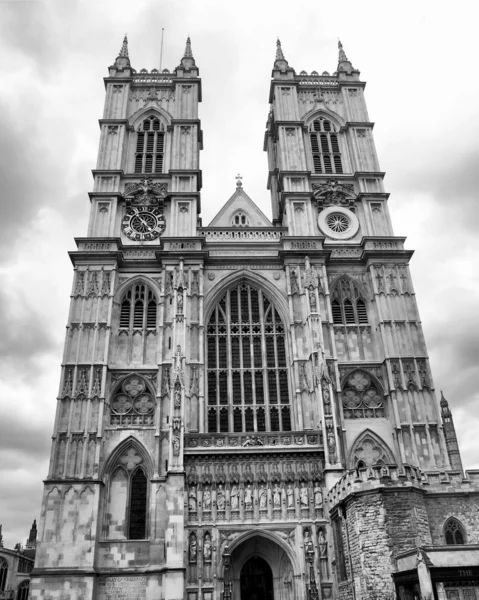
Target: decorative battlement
243, 235
381, 476
317, 80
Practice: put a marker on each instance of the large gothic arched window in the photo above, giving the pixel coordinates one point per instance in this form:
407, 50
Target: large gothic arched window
347, 304
246, 362
453, 532
3, 574
23, 589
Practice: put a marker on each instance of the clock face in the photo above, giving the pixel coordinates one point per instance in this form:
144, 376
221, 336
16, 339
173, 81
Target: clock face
143, 223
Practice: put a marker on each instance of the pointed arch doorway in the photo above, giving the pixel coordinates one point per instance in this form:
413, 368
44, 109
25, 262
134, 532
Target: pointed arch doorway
256, 580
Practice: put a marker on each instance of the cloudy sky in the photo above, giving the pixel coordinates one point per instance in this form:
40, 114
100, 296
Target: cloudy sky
420, 62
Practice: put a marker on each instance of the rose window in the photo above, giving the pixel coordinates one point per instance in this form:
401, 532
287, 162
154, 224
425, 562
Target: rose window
338, 222
133, 404
361, 397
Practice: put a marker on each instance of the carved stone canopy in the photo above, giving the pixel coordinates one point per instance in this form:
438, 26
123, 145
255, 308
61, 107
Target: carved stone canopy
334, 193
145, 193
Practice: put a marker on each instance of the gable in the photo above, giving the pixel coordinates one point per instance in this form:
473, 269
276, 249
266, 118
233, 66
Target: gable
240, 204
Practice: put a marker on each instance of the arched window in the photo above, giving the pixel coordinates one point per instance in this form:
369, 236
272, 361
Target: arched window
454, 532
362, 398
347, 305
150, 146
22, 590
126, 509
240, 219
138, 308
246, 364
3, 574
325, 147
132, 404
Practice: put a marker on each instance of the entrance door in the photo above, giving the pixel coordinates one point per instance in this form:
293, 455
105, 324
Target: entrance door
256, 580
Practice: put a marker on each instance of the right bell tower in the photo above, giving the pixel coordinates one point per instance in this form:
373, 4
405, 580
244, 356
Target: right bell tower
327, 190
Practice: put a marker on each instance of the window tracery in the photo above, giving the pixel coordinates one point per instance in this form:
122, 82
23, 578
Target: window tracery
347, 304
362, 398
325, 147
150, 146
453, 532
133, 404
22, 590
138, 309
240, 219
246, 364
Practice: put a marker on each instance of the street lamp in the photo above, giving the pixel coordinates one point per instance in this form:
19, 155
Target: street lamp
313, 588
227, 583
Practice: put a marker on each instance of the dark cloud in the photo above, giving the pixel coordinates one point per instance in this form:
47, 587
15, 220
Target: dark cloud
20, 437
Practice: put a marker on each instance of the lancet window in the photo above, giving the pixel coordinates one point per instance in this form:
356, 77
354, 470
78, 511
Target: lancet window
453, 532
138, 309
362, 398
3, 574
128, 500
150, 146
324, 140
22, 590
240, 219
347, 304
246, 363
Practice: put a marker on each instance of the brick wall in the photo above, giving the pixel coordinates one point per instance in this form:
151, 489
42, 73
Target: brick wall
463, 507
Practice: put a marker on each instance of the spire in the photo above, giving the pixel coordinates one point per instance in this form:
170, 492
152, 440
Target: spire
443, 403
450, 437
1, 537
122, 60
188, 60
32, 538
124, 48
342, 53
344, 64
188, 52
280, 62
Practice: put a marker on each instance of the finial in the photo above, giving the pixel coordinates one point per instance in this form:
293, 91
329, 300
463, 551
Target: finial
239, 183
188, 52
124, 48
443, 402
279, 51
342, 53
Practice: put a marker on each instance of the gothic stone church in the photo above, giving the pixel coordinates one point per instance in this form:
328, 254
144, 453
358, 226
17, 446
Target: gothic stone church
246, 409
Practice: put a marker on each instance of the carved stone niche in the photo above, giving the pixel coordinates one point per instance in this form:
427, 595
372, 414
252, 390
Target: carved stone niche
333, 193
145, 193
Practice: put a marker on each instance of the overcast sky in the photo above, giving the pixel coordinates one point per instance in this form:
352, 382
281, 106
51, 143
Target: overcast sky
420, 62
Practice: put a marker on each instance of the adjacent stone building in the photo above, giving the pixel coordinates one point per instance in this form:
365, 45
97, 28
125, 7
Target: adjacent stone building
16, 566
246, 409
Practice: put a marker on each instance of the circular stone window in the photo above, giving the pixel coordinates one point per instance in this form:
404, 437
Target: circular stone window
338, 223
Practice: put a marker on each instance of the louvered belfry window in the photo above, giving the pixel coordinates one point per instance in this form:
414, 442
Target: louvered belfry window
325, 147
347, 304
246, 364
150, 146
138, 308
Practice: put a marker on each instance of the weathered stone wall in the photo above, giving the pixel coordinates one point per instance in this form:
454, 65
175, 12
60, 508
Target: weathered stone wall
463, 507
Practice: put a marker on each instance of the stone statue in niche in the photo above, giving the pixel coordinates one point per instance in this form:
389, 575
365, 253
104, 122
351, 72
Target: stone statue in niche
193, 548
248, 497
304, 496
294, 282
177, 401
207, 547
220, 498
331, 446
179, 302
192, 499
277, 496
312, 300
318, 496
308, 542
234, 498
326, 397
322, 543
263, 496
176, 445
290, 496
207, 499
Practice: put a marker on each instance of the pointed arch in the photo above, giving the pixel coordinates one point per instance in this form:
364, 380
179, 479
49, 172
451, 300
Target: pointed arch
123, 450
369, 449
132, 401
248, 386
317, 113
148, 111
349, 301
3, 574
454, 532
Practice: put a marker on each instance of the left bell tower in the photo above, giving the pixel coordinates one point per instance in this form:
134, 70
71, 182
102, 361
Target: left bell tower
112, 510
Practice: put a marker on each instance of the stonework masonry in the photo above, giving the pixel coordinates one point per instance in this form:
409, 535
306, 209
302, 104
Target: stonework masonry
246, 408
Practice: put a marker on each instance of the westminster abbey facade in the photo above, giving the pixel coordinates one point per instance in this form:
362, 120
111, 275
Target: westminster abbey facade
246, 409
